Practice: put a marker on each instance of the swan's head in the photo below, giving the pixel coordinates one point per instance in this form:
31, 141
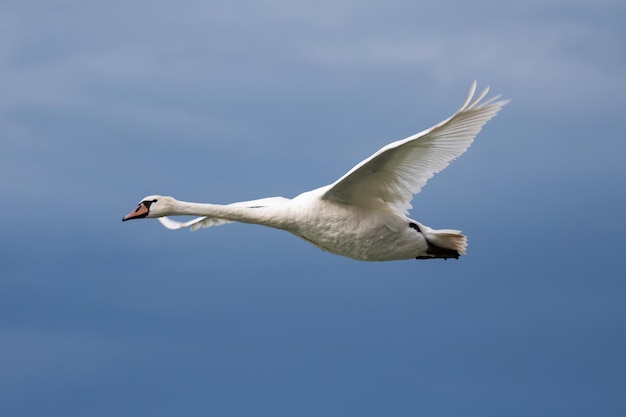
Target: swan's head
151, 207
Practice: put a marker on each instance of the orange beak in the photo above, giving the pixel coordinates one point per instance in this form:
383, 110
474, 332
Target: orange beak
140, 212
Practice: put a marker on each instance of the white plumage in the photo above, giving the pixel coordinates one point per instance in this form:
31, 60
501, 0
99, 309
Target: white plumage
363, 215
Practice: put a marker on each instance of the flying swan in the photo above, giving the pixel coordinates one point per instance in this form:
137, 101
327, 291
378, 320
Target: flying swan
364, 214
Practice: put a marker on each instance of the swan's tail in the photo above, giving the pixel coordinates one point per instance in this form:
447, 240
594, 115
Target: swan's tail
446, 243
443, 243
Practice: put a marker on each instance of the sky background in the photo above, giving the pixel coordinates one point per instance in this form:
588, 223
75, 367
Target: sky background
103, 103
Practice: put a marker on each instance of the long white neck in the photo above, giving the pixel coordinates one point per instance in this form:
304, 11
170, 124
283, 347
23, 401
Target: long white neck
272, 216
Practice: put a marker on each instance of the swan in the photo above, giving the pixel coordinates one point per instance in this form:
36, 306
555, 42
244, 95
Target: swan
364, 214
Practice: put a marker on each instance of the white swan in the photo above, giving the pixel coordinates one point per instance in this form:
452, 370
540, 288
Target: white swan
363, 215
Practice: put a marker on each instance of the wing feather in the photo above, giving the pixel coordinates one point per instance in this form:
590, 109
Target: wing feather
392, 175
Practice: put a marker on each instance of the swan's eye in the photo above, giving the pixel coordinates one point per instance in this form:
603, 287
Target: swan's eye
148, 203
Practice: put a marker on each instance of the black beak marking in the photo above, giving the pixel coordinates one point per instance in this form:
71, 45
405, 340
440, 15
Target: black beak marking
143, 209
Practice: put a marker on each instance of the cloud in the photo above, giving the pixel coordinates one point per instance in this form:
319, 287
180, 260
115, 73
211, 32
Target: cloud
231, 47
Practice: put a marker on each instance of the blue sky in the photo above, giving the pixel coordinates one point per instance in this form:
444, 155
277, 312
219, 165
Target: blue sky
102, 104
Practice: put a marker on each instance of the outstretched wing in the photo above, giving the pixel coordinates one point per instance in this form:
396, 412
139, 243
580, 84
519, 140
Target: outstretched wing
391, 176
199, 222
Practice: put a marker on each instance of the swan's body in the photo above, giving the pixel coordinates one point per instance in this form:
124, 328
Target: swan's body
363, 215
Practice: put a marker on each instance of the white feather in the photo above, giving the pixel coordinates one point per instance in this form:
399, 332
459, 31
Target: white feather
391, 176
364, 214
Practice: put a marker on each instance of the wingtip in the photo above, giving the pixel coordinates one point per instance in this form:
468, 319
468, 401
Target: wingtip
470, 95
472, 102
169, 223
